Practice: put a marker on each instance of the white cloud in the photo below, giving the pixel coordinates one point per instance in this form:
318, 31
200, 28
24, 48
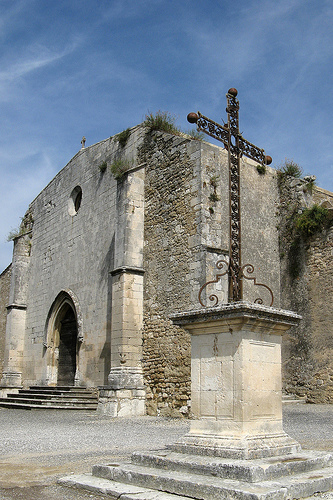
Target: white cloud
35, 57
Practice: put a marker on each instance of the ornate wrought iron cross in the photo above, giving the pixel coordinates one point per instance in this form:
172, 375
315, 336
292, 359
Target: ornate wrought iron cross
236, 146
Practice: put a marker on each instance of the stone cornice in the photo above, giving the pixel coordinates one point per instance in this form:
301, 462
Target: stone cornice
128, 270
21, 307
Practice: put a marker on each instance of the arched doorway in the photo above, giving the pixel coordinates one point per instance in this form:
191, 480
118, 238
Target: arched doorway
63, 337
67, 348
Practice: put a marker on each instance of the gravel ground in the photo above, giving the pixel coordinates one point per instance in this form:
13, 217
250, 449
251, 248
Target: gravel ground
39, 446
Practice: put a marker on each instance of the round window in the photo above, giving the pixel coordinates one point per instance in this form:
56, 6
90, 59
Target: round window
74, 201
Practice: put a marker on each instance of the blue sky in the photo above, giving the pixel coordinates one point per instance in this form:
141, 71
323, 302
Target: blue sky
70, 68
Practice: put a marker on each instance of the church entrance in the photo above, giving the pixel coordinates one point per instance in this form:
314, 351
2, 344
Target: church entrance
67, 349
62, 343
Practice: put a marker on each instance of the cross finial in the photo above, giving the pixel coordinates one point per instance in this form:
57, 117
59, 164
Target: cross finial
83, 142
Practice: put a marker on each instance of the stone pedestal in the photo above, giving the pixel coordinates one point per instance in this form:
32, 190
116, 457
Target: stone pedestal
236, 448
236, 381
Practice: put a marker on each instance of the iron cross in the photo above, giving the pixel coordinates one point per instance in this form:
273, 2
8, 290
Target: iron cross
236, 146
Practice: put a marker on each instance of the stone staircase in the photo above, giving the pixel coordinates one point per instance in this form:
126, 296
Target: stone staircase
55, 398
168, 475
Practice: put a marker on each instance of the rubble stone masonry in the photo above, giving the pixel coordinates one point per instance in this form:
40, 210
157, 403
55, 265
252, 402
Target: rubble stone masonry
307, 288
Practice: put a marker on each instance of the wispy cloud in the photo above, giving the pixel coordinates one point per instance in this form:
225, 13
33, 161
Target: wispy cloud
35, 57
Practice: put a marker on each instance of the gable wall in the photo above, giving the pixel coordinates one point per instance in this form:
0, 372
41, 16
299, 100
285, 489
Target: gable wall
75, 253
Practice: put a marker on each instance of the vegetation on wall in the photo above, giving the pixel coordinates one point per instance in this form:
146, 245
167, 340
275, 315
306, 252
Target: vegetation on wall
14, 233
123, 137
24, 228
119, 168
300, 226
311, 221
213, 197
299, 223
291, 169
261, 169
162, 121
103, 166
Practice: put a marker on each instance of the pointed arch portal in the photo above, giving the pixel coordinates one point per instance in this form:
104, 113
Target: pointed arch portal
63, 334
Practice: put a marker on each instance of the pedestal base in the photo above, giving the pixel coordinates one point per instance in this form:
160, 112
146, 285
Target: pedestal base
125, 377
168, 475
245, 448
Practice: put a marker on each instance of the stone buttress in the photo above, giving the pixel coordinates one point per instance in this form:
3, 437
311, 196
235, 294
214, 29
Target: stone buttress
125, 395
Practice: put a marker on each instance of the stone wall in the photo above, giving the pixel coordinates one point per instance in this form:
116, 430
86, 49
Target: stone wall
170, 222
186, 233
306, 287
164, 223
4, 300
73, 251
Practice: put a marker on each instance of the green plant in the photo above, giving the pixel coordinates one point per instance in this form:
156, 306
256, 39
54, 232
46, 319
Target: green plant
15, 233
123, 137
119, 168
161, 120
261, 169
24, 228
290, 168
103, 166
213, 197
310, 183
312, 220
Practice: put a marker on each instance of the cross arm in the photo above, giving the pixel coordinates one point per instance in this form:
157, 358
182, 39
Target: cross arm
209, 127
248, 149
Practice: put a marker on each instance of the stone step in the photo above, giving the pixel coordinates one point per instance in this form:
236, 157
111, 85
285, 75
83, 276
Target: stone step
68, 398
53, 400
49, 406
114, 489
244, 470
54, 395
60, 388
208, 487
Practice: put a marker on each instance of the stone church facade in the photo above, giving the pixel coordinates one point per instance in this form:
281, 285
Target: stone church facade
125, 235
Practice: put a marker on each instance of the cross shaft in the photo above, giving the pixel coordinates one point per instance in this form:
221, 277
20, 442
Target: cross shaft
236, 146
